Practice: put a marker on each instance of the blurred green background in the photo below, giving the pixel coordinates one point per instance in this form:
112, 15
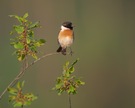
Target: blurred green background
104, 42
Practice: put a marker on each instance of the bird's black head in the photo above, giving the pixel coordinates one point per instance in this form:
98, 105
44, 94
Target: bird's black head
68, 24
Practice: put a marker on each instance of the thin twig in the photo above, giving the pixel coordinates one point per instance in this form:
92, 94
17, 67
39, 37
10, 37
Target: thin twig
21, 73
69, 99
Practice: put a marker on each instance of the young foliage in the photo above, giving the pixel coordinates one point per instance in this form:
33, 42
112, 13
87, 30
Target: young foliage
18, 98
25, 42
68, 82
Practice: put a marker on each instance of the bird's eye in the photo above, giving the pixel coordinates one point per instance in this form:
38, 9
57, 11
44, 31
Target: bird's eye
64, 24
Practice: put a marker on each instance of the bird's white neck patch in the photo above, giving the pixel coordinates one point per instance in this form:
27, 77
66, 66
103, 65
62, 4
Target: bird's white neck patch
64, 28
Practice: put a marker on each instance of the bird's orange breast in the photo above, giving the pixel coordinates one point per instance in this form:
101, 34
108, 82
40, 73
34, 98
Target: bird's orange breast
66, 33
65, 38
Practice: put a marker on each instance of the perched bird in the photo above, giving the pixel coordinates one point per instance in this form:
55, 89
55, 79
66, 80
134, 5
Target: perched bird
65, 37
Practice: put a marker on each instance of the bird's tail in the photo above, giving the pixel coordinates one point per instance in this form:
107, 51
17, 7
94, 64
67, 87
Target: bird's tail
63, 51
59, 49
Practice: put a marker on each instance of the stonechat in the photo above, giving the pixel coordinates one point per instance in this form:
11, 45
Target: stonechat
65, 37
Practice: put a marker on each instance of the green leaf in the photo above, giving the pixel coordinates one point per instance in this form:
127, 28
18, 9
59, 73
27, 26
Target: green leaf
59, 85
12, 91
42, 41
20, 19
78, 81
74, 62
34, 56
19, 29
11, 33
60, 92
37, 44
18, 104
71, 69
25, 15
34, 98
12, 43
28, 40
31, 33
65, 67
18, 86
23, 84
34, 25
67, 74
59, 79
30, 96
12, 98
18, 45
21, 57
67, 63
27, 103
33, 48
71, 89
82, 83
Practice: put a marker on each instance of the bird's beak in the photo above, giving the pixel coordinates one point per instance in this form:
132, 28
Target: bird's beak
73, 25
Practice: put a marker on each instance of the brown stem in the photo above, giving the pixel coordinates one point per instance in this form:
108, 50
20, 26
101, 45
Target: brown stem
69, 99
25, 38
21, 73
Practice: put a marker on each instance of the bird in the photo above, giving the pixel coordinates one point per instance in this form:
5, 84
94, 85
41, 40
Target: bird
65, 37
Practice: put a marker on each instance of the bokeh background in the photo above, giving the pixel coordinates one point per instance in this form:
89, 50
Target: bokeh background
104, 42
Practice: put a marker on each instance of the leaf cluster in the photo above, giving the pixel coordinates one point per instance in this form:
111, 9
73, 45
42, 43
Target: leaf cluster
25, 42
68, 82
18, 98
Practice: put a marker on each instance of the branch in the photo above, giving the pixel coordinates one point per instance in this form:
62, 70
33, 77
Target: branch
21, 73
69, 99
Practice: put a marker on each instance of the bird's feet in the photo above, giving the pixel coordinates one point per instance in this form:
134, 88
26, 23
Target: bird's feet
71, 52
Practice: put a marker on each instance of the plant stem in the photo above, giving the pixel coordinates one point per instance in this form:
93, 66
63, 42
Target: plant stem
69, 99
21, 73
